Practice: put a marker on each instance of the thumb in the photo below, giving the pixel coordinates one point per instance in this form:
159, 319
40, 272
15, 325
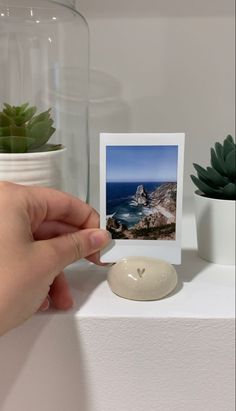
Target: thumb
55, 254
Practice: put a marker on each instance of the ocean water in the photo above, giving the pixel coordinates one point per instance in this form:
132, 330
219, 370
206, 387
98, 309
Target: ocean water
120, 202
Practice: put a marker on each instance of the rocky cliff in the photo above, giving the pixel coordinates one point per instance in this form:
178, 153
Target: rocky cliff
164, 196
159, 223
141, 196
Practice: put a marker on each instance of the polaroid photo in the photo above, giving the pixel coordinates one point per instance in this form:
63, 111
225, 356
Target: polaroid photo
141, 190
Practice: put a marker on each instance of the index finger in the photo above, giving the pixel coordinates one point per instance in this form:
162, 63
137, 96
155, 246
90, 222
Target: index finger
46, 204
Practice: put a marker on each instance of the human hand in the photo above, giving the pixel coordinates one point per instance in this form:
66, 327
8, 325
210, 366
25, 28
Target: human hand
41, 232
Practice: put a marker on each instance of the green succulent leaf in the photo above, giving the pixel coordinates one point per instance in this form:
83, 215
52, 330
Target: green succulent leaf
205, 188
48, 147
40, 133
228, 146
23, 107
15, 144
219, 180
21, 130
216, 164
219, 149
5, 131
216, 177
204, 176
230, 164
230, 139
40, 117
229, 191
26, 116
8, 110
18, 131
200, 170
4, 120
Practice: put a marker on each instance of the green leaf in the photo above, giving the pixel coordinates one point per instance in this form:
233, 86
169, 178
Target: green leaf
208, 182
229, 191
216, 177
5, 131
17, 110
26, 116
48, 147
51, 131
20, 121
204, 176
23, 107
15, 144
205, 188
200, 170
228, 146
18, 131
216, 164
230, 139
40, 133
230, 164
8, 109
40, 117
219, 149
4, 120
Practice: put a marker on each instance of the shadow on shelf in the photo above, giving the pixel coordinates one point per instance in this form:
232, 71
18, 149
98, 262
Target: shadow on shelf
47, 352
192, 265
84, 279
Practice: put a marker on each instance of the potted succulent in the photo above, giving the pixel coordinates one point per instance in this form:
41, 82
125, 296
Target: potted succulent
26, 157
215, 204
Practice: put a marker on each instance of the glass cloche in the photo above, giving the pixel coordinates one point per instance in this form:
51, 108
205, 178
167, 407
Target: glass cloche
44, 95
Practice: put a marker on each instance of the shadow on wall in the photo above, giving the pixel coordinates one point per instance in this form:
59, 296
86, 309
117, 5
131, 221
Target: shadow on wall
108, 113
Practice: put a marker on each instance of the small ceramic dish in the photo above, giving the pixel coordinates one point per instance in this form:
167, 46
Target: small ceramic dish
142, 279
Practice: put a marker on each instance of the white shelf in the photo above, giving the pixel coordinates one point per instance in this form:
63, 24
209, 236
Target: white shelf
112, 354
205, 290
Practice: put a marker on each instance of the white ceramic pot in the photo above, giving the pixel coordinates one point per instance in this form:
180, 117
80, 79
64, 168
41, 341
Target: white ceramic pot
38, 169
215, 220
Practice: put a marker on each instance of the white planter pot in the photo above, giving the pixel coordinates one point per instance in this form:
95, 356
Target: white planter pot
215, 220
38, 169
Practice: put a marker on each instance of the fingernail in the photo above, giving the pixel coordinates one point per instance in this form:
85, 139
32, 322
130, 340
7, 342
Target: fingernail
99, 238
45, 306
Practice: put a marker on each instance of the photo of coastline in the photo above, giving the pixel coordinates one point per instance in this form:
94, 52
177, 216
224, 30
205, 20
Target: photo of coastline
141, 191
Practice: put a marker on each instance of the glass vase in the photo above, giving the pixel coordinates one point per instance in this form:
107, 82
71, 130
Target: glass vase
44, 72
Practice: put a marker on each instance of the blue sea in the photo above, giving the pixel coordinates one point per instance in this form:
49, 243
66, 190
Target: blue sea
120, 202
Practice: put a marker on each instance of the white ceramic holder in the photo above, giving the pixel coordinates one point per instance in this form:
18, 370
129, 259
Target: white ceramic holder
142, 279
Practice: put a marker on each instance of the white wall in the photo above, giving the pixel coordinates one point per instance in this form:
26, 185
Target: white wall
164, 66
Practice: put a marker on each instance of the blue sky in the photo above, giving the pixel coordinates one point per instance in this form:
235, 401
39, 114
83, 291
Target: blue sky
141, 163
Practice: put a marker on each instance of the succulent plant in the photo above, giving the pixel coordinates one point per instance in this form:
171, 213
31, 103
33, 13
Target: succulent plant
22, 131
219, 180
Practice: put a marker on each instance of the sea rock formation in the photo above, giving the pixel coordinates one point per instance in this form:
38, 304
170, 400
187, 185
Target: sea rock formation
159, 223
141, 196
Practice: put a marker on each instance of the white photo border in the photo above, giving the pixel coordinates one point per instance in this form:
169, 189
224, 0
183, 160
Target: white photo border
169, 250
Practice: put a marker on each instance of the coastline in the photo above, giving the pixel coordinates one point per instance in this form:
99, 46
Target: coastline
154, 211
